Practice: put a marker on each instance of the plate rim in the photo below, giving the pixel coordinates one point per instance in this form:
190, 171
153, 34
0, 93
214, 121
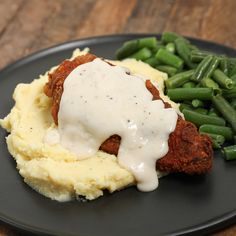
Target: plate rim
99, 38
207, 227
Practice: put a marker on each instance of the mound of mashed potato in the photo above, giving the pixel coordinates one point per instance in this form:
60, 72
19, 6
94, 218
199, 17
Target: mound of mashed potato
49, 168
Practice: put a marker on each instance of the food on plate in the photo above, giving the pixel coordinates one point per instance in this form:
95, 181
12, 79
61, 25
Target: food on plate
230, 152
204, 83
91, 124
189, 152
54, 88
48, 167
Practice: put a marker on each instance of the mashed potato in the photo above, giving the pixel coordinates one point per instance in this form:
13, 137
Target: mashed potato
49, 168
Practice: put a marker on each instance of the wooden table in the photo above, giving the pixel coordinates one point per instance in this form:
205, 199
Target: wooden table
27, 26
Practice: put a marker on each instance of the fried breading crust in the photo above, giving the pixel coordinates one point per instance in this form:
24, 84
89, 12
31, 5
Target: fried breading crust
189, 151
54, 86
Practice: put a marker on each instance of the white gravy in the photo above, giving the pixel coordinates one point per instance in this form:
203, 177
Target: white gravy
100, 100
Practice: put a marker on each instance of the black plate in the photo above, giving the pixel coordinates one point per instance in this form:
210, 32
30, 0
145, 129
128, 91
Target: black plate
181, 204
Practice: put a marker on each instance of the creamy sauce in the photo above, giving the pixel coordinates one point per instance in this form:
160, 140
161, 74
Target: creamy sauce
100, 100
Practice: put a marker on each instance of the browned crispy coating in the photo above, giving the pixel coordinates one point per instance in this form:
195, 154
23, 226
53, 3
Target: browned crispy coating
189, 151
54, 86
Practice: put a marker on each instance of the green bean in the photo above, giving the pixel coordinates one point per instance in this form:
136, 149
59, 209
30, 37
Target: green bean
201, 110
215, 144
183, 106
179, 79
127, 49
233, 77
233, 103
219, 139
235, 139
225, 109
158, 46
230, 152
232, 71
213, 112
184, 52
215, 129
213, 65
130, 47
224, 66
167, 69
170, 37
169, 59
229, 93
189, 84
197, 55
200, 119
232, 67
201, 69
232, 60
149, 42
209, 83
197, 103
223, 80
152, 61
180, 94
170, 47
193, 47
142, 54
189, 102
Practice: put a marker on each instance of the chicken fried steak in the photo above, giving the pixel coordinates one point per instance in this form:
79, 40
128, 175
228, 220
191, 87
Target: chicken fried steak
54, 87
189, 152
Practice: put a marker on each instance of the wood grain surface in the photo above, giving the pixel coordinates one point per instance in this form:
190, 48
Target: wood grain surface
27, 26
